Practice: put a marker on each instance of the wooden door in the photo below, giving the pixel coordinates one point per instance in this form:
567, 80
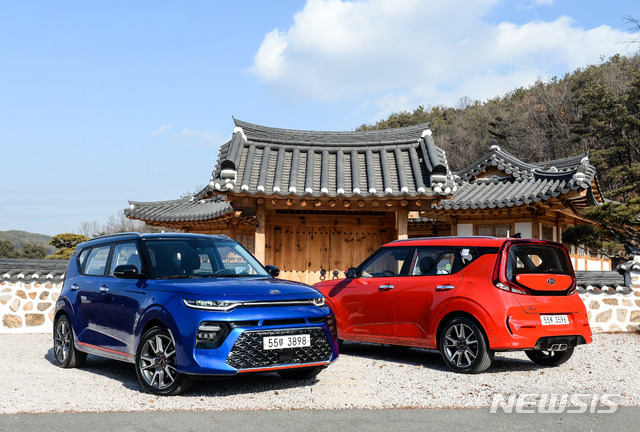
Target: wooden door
302, 252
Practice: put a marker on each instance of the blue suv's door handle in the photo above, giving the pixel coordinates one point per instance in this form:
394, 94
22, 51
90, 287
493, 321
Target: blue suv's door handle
74, 287
104, 289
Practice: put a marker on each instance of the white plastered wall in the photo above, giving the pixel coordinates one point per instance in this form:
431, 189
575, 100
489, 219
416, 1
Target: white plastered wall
465, 229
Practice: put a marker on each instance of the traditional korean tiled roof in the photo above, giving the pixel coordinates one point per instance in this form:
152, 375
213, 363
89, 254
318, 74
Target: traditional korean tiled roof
630, 266
601, 282
393, 162
516, 183
190, 209
32, 270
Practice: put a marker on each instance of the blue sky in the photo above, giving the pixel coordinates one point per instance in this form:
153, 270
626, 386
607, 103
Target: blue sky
104, 102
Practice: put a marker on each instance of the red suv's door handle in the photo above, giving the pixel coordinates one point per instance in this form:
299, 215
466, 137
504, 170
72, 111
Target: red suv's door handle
444, 287
385, 287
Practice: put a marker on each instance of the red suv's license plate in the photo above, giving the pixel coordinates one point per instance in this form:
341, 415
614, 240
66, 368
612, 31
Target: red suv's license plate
554, 319
288, 341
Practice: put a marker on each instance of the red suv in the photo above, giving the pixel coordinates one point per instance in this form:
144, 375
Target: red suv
465, 296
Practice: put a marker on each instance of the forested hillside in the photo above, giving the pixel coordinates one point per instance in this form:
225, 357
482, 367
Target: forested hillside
594, 109
22, 244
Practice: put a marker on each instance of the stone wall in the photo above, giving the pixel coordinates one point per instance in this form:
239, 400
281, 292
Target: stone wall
612, 311
28, 306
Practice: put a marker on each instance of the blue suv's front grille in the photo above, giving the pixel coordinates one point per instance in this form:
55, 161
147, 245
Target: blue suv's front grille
248, 352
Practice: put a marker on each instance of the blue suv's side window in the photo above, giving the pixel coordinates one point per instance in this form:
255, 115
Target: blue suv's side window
97, 261
125, 254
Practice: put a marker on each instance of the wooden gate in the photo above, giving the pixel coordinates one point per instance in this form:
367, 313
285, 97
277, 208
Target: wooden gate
302, 252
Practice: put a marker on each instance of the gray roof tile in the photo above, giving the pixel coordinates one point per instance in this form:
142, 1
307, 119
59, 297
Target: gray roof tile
598, 282
523, 183
32, 270
189, 209
392, 162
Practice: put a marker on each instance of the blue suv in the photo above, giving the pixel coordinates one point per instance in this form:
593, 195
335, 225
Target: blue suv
182, 306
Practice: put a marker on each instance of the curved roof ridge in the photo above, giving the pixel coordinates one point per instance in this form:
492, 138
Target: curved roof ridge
181, 209
214, 198
500, 155
261, 133
571, 161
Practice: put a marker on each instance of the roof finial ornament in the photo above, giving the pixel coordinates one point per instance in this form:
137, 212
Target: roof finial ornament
494, 145
427, 131
239, 129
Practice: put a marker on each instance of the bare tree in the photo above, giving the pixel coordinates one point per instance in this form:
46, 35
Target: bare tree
117, 223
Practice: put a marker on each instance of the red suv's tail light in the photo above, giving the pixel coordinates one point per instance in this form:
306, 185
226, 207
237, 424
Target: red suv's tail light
499, 278
510, 288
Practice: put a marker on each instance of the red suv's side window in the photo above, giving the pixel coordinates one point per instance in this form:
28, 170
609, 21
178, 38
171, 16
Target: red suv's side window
433, 261
388, 262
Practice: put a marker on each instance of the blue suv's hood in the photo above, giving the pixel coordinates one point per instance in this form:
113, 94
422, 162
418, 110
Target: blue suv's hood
236, 288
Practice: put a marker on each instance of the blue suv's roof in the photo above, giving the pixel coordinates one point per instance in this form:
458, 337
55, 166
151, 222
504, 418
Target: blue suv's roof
136, 235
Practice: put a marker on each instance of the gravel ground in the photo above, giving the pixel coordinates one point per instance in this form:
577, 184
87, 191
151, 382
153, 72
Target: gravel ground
365, 376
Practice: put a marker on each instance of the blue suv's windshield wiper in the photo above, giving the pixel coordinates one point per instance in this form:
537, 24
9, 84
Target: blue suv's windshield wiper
181, 277
204, 276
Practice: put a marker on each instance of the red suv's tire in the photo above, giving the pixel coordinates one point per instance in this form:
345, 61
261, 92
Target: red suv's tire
549, 358
463, 346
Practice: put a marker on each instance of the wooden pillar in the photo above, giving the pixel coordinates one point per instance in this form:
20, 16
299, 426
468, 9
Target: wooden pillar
261, 224
535, 228
402, 225
454, 226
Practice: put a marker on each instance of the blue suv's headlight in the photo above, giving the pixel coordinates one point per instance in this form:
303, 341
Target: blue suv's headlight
210, 304
318, 301
224, 306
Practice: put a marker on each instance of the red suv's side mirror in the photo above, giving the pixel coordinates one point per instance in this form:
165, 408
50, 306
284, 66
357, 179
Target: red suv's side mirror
351, 272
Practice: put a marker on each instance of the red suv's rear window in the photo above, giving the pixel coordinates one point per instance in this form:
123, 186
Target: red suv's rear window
536, 259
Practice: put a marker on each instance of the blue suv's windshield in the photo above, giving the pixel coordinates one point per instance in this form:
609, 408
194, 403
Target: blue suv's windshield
197, 258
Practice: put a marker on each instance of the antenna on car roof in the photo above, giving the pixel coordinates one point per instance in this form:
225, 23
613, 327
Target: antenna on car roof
516, 235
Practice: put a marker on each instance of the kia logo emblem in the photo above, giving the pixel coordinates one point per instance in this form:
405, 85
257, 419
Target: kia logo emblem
274, 292
550, 281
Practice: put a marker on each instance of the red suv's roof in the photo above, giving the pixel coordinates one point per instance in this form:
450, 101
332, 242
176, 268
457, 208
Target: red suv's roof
450, 241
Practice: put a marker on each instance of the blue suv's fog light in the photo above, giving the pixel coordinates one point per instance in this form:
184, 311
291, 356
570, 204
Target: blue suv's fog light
211, 334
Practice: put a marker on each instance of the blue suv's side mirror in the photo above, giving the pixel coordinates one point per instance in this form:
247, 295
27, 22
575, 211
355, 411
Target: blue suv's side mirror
126, 272
273, 270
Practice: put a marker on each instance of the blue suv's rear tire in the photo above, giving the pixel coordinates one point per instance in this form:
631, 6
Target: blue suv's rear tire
156, 364
64, 349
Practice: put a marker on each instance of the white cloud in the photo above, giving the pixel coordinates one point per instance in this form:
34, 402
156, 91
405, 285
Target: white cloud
163, 129
197, 134
193, 137
205, 139
392, 55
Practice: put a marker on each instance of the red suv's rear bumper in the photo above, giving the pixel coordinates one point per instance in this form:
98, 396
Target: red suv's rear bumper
523, 328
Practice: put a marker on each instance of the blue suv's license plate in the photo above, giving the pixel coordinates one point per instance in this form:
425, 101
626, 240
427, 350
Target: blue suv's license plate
286, 341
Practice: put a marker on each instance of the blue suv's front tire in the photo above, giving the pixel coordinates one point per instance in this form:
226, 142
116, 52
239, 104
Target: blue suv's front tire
156, 364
